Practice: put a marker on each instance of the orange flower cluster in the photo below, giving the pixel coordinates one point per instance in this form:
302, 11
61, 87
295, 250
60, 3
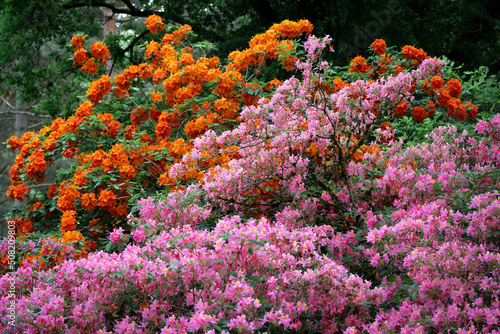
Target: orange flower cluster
17, 191
290, 29
112, 125
443, 94
197, 127
379, 47
154, 23
67, 196
412, 53
85, 109
447, 96
358, 155
272, 85
178, 35
228, 108
78, 42
99, 88
359, 65
36, 165
99, 52
71, 237
30, 161
268, 45
68, 221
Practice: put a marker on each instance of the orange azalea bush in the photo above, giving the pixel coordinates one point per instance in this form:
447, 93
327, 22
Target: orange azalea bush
132, 127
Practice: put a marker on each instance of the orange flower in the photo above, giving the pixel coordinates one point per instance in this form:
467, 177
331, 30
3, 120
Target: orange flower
165, 180
292, 29
91, 245
436, 83
78, 42
271, 85
471, 110
419, 114
138, 116
26, 226
70, 153
107, 199
85, 109
443, 97
36, 164
89, 201
454, 87
14, 143
154, 113
359, 65
112, 125
127, 172
100, 52
312, 150
17, 191
227, 108
163, 130
52, 192
401, 109
181, 33
79, 56
457, 109
156, 96
80, 179
99, 88
68, 195
379, 47
71, 236
118, 155
199, 126
412, 53
227, 83
120, 211
186, 58
129, 130
90, 66
35, 206
154, 23
68, 221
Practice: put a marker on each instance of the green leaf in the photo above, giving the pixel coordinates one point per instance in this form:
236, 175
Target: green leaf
108, 246
256, 242
173, 265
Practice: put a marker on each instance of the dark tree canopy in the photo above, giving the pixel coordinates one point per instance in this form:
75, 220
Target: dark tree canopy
35, 52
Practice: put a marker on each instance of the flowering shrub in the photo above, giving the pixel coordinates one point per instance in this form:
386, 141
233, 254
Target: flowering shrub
296, 211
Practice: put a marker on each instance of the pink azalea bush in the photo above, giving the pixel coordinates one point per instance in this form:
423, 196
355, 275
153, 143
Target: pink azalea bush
314, 225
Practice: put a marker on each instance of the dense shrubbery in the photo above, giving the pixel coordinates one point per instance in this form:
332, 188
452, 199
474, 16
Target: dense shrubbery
287, 210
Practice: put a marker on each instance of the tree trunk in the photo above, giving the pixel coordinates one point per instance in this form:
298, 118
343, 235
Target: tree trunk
21, 126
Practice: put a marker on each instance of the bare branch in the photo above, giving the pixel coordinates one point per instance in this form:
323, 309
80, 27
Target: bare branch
35, 125
41, 185
3, 168
21, 112
7, 102
130, 9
